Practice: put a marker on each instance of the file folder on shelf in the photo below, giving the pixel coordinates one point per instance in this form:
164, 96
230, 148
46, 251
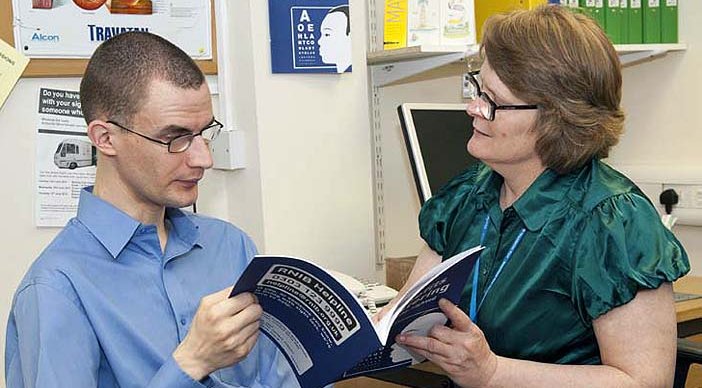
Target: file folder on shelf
651, 21
635, 35
669, 21
624, 12
613, 23
594, 9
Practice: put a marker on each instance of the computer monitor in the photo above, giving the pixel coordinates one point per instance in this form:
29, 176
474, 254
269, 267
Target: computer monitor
436, 136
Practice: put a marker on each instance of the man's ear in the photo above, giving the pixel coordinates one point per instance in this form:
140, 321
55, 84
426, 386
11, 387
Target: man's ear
101, 134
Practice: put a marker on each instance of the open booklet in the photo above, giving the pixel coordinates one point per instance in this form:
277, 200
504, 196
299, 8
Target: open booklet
323, 330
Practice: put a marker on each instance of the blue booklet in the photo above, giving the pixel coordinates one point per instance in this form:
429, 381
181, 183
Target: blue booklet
323, 330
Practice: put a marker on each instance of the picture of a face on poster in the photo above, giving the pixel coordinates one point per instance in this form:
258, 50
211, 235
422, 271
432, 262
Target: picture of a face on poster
310, 36
335, 40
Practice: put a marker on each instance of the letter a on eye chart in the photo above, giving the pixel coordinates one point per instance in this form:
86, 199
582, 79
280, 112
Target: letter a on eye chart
310, 36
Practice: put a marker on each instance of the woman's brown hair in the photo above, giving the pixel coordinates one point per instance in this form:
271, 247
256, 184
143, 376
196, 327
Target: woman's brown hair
564, 63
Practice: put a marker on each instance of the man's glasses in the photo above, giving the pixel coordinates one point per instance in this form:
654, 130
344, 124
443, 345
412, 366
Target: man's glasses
486, 106
181, 143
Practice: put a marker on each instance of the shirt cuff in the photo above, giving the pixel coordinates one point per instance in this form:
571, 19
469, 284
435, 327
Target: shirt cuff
170, 375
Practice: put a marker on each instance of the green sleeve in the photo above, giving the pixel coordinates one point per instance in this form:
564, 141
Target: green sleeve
439, 212
624, 248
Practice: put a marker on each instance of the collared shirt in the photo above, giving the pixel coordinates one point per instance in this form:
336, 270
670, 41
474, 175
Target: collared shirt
103, 306
592, 241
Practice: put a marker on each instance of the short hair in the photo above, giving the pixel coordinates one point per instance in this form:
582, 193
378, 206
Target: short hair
563, 62
345, 10
120, 71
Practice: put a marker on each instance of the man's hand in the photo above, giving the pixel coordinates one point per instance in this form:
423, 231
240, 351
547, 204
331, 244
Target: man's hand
223, 332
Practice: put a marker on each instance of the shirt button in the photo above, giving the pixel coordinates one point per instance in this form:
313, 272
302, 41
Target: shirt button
182, 321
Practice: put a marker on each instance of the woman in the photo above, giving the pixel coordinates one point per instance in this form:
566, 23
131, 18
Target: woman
574, 286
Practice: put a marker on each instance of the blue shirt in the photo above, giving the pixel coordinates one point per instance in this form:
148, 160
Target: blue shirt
102, 306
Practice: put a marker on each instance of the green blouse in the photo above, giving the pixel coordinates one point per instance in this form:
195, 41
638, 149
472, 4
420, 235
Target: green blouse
592, 241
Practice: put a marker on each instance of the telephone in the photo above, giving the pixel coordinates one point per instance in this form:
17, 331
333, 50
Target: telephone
368, 293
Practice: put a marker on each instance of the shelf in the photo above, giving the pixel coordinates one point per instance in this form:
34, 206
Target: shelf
630, 54
394, 65
414, 52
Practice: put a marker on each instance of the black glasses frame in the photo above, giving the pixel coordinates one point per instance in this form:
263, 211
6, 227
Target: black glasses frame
493, 106
214, 124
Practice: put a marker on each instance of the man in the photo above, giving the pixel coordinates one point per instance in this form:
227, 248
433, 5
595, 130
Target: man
134, 292
335, 40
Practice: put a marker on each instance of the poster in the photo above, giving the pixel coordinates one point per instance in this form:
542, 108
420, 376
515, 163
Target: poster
310, 36
74, 28
65, 161
12, 64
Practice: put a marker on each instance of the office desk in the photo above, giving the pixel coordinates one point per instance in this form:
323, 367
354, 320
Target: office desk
689, 312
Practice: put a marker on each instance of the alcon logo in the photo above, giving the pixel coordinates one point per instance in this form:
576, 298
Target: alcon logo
39, 37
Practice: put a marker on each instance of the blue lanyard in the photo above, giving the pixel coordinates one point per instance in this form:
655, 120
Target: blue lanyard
474, 306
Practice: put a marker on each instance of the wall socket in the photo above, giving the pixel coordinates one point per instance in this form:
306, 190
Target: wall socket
689, 196
686, 180
466, 86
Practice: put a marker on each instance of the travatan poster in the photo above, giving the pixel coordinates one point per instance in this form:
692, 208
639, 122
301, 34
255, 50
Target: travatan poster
310, 36
74, 28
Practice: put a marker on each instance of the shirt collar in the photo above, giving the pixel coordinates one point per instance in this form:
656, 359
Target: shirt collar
488, 191
115, 228
184, 227
535, 206
537, 203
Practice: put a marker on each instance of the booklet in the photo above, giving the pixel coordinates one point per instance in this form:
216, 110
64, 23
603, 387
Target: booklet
323, 330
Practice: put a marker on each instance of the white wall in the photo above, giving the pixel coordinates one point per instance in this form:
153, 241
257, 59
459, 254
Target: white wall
661, 100
314, 153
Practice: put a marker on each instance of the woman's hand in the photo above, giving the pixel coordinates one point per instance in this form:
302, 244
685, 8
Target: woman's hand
461, 350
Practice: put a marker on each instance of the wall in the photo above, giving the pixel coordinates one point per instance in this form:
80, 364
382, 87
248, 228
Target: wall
661, 100
314, 153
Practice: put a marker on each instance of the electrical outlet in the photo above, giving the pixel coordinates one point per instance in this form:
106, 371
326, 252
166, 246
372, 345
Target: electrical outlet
466, 86
686, 180
689, 196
